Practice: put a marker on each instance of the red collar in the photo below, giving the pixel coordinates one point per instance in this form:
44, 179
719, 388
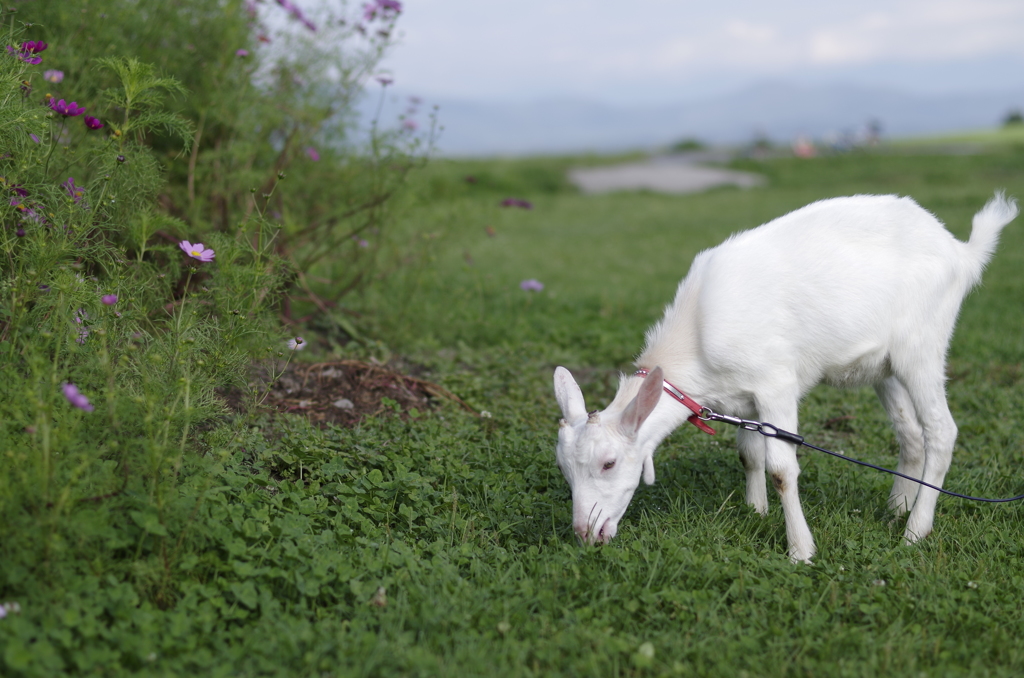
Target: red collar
686, 400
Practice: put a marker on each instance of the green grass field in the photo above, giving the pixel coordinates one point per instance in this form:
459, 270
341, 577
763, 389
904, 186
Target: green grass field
439, 543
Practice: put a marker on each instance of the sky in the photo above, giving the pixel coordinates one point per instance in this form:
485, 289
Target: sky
662, 51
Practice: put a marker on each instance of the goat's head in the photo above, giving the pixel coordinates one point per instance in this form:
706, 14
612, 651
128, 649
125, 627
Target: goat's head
601, 455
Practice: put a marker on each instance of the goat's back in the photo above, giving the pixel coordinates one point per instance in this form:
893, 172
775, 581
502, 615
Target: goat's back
831, 290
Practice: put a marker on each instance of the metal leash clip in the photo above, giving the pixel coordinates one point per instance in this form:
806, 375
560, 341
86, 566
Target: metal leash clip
764, 428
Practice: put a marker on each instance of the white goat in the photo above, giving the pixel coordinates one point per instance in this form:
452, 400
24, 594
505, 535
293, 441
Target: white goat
852, 291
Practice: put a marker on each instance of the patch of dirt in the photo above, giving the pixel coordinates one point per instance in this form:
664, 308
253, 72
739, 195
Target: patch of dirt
347, 391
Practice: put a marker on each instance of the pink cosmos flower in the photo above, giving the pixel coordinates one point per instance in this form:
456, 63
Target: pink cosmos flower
27, 50
68, 110
384, 81
76, 398
53, 76
197, 251
92, 123
531, 285
297, 14
241, 52
313, 154
76, 192
386, 10
109, 299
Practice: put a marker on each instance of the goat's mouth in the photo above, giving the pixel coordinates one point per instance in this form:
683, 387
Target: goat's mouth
606, 532
599, 533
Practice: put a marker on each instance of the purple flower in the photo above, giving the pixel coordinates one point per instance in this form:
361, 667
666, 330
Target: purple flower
76, 192
109, 299
27, 50
297, 14
517, 202
385, 10
241, 52
92, 123
53, 76
33, 137
409, 124
197, 251
384, 81
20, 233
313, 154
75, 398
68, 110
531, 285
26, 210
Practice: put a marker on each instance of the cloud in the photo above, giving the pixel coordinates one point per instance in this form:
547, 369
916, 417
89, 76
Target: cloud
921, 32
596, 48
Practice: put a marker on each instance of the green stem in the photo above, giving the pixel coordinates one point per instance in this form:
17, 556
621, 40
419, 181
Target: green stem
53, 144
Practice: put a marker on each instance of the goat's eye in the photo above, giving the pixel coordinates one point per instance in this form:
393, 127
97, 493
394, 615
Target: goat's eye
608, 465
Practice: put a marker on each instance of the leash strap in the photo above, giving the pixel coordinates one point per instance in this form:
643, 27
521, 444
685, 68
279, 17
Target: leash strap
771, 431
687, 402
701, 415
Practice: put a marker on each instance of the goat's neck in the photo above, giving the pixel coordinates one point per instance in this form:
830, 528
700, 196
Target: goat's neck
669, 414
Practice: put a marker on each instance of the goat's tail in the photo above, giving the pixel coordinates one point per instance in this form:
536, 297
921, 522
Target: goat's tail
987, 224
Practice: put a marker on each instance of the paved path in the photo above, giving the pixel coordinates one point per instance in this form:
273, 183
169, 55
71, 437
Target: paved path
683, 173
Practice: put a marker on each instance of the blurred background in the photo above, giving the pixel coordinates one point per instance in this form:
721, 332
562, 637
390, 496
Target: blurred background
557, 76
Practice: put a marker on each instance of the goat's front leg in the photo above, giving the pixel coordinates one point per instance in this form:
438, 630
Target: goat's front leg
752, 454
783, 469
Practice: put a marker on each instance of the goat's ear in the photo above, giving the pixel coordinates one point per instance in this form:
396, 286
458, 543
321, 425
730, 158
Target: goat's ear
649, 469
569, 396
643, 404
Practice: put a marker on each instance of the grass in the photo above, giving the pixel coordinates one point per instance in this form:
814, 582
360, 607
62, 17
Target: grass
437, 542
1008, 134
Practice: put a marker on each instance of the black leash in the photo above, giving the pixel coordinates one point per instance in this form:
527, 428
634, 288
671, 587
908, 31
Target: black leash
771, 431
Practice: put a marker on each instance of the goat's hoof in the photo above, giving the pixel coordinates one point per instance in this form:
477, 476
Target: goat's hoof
912, 536
760, 508
802, 555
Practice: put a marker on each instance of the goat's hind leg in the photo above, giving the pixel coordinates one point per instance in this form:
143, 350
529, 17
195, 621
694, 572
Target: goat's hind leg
939, 438
910, 435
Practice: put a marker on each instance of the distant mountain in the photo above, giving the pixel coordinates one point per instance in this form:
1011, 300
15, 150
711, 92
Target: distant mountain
776, 110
